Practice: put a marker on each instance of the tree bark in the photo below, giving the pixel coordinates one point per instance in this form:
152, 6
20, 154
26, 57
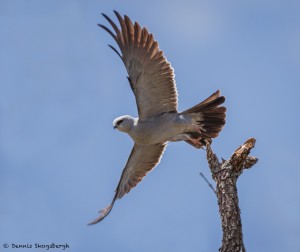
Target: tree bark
225, 174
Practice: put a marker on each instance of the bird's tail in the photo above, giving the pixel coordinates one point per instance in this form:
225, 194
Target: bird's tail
210, 117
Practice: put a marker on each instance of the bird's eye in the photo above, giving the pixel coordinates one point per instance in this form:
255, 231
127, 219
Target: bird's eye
119, 122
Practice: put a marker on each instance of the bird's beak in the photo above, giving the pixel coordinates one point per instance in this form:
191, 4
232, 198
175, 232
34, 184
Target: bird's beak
115, 127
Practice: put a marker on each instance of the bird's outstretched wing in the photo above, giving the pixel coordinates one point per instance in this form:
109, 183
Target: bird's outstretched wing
143, 158
151, 76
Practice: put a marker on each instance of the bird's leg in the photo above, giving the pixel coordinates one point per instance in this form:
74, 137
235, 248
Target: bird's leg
196, 141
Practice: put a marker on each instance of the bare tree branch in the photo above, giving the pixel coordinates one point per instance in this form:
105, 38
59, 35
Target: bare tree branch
225, 175
209, 184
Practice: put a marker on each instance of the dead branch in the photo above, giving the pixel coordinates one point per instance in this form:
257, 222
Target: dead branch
225, 174
209, 184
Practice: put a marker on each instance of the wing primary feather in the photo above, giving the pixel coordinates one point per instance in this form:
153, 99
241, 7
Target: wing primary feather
123, 26
116, 51
109, 31
149, 42
137, 34
130, 29
111, 22
144, 37
115, 27
104, 212
153, 50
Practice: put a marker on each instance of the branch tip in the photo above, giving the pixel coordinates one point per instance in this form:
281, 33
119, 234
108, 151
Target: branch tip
209, 184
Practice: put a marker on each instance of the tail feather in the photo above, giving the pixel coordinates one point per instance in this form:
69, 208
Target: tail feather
212, 101
212, 118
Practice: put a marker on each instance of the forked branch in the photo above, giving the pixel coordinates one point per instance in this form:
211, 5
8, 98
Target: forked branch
225, 174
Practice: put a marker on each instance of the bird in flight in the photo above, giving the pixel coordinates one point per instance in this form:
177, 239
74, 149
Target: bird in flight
151, 79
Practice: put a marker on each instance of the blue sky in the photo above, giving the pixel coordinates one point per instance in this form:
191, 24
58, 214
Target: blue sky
61, 87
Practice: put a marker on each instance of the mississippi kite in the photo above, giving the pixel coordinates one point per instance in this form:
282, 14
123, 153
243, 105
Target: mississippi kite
151, 79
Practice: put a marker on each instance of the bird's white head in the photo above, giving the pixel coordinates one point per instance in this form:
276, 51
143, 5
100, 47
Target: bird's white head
124, 123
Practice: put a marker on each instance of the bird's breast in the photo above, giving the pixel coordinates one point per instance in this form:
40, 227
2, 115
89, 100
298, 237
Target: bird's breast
156, 129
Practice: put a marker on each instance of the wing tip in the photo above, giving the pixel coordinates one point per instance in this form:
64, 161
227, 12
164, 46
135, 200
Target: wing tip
105, 16
103, 213
116, 13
